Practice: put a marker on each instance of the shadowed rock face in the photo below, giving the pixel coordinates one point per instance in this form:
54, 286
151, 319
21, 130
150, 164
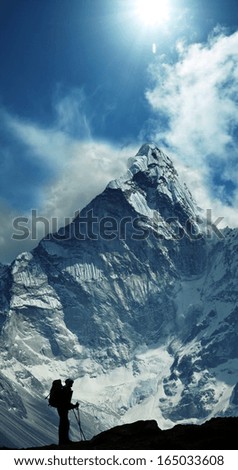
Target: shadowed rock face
216, 434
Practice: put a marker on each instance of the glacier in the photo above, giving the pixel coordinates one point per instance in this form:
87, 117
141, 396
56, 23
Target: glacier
136, 300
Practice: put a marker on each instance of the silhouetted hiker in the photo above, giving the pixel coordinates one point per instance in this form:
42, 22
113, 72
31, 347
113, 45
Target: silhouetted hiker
63, 408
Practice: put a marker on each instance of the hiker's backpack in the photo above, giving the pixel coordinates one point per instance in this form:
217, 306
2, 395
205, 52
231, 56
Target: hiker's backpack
55, 395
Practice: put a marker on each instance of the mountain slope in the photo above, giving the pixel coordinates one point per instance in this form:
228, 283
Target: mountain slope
134, 300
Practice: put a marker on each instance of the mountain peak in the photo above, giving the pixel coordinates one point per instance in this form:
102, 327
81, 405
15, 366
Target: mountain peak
150, 149
146, 148
151, 183
149, 160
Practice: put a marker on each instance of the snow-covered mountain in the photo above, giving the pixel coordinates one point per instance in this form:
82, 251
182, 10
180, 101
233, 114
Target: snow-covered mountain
136, 300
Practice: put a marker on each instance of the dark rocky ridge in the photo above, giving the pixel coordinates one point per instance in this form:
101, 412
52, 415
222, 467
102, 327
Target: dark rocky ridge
216, 434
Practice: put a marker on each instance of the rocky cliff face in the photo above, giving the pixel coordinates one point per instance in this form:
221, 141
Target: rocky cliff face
135, 299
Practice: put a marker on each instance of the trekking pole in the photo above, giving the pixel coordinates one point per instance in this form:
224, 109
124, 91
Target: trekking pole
77, 417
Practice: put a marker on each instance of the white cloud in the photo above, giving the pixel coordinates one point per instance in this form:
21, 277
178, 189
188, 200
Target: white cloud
91, 166
71, 112
47, 144
198, 95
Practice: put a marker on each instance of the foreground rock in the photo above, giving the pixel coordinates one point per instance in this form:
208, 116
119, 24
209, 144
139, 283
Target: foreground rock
216, 434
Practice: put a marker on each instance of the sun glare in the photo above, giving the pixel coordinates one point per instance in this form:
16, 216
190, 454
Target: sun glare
153, 12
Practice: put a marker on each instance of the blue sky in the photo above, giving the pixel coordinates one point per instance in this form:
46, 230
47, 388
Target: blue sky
81, 90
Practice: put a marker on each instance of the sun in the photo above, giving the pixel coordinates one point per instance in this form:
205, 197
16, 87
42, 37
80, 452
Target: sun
152, 12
